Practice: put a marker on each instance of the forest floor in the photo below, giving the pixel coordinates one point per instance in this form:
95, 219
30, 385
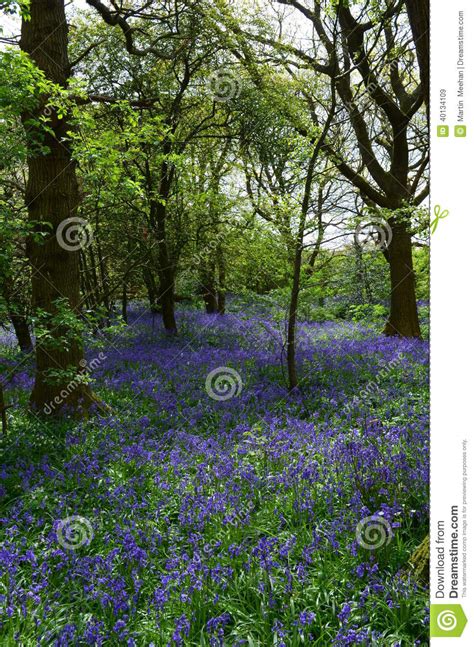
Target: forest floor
206, 510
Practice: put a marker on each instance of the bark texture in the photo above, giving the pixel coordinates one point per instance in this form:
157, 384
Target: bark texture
52, 196
419, 17
403, 319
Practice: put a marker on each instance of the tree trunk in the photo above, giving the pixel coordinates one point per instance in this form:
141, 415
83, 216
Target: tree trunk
359, 272
291, 336
104, 280
152, 290
22, 331
209, 291
167, 305
210, 299
165, 271
221, 281
124, 303
52, 196
17, 313
403, 320
221, 302
419, 17
86, 285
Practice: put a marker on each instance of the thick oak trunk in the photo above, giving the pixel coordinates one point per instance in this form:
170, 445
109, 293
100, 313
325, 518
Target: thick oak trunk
52, 196
403, 319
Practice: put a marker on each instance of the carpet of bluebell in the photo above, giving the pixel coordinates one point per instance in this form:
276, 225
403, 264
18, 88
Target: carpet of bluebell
187, 516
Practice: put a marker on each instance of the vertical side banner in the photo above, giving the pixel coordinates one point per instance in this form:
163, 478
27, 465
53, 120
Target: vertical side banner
452, 350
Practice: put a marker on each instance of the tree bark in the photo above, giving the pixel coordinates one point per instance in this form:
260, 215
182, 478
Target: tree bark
152, 290
17, 313
419, 17
22, 331
166, 275
210, 296
403, 320
292, 316
208, 288
124, 302
221, 281
299, 246
165, 269
52, 196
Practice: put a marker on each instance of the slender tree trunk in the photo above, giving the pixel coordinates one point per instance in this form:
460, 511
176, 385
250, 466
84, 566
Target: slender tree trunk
22, 331
86, 285
295, 289
166, 271
152, 290
104, 280
221, 281
403, 319
359, 263
124, 303
210, 297
208, 287
91, 263
292, 316
52, 196
221, 302
17, 314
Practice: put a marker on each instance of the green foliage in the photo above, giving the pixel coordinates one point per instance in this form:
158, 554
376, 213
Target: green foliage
421, 265
368, 312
